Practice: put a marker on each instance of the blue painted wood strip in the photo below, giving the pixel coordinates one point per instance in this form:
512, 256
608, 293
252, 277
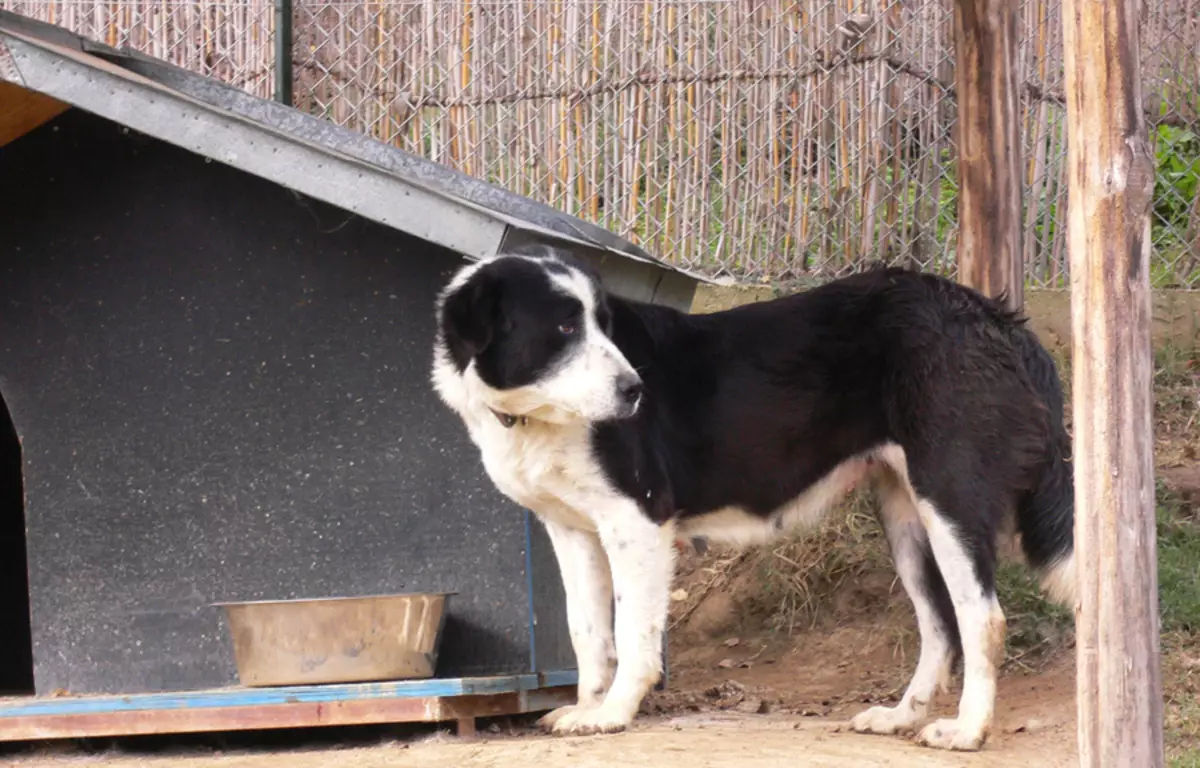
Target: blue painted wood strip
533, 666
555, 678
249, 697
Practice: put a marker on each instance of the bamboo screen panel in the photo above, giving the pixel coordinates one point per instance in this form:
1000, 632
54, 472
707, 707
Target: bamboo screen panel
758, 140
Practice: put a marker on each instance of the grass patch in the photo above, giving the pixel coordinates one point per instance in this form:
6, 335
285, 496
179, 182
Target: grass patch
1176, 416
1037, 627
802, 576
1178, 564
1176, 397
1181, 697
1179, 605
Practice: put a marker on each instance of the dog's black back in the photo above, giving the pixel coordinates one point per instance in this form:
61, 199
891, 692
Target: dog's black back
748, 407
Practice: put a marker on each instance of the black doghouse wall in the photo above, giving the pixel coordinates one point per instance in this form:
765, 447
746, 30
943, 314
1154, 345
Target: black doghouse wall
16, 653
223, 394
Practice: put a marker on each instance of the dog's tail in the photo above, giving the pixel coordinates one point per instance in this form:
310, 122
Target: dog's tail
1046, 515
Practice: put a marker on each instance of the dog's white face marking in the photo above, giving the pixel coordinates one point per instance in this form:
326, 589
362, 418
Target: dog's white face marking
578, 376
587, 384
564, 382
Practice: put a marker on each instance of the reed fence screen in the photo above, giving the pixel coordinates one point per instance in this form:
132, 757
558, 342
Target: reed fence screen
761, 140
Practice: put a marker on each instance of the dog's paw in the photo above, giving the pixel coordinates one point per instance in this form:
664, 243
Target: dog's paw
885, 720
952, 734
550, 719
587, 721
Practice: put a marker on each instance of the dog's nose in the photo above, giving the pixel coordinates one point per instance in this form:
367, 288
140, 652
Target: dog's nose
631, 390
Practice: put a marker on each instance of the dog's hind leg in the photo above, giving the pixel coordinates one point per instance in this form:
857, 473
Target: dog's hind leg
919, 574
964, 554
968, 567
641, 555
587, 583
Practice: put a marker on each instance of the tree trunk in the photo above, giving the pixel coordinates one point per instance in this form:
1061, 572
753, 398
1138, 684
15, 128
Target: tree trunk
989, 149
1111, 178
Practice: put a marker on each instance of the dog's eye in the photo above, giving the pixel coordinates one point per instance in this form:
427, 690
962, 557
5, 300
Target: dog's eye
566, 329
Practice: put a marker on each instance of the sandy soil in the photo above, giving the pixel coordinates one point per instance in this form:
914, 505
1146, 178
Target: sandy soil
688, 741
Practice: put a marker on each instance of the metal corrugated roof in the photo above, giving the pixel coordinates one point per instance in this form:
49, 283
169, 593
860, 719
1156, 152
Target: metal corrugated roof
313, 156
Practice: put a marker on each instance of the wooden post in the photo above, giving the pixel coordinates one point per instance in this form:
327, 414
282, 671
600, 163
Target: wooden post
989, 149
1111, 185
466, 728
283, 52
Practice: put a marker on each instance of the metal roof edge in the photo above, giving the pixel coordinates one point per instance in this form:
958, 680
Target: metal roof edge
155, 110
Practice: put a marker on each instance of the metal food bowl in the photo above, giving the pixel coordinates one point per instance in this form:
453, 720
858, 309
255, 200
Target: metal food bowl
337, 640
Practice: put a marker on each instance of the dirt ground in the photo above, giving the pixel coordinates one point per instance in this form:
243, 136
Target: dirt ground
689, 740
693, 741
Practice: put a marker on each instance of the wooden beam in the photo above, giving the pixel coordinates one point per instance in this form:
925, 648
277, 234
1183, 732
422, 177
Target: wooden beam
22, 110
200, 717
1111, 186
989, 149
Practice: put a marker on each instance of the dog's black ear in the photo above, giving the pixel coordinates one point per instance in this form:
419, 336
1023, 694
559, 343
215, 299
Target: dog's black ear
469, 315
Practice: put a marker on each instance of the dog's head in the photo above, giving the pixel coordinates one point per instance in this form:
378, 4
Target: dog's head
528, 334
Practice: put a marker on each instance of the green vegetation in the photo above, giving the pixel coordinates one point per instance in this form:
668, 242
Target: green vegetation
1179, 601
1178, 564
1036, 626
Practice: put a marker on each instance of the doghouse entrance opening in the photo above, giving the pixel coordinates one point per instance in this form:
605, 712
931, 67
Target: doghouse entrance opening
16, 646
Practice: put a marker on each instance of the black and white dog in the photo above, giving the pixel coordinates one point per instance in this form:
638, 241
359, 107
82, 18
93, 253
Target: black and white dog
624, 426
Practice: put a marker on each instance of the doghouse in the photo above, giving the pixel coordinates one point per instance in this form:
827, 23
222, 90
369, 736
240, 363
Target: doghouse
216, 319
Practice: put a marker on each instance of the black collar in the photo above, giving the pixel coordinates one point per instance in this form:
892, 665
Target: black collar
507, 419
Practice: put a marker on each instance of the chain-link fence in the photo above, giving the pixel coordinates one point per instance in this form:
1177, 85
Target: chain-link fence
230, 40
762, 139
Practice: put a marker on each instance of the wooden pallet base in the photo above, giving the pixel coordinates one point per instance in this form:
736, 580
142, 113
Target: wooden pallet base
240, 709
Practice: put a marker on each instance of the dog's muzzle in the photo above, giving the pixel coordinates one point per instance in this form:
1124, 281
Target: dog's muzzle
630, 391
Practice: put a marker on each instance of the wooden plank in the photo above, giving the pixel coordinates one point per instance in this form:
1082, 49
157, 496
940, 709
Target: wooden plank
989, 149
245, 697
1111, 186
464, 707
22, 110
287, 715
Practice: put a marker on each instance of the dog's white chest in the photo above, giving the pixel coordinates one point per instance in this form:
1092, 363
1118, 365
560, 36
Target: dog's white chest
544, 468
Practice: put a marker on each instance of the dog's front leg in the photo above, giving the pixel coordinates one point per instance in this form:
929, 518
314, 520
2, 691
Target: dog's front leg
641, 555
587, 585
